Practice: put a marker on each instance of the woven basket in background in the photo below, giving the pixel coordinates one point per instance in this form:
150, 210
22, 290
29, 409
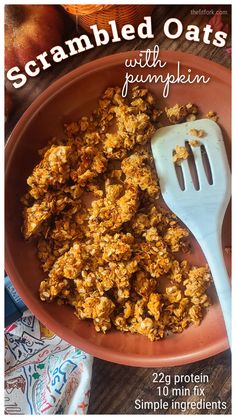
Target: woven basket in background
91, 14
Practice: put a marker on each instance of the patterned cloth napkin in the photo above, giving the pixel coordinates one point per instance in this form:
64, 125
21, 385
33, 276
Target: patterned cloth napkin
44, 374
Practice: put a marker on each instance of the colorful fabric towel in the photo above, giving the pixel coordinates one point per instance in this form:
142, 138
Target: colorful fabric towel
44, 374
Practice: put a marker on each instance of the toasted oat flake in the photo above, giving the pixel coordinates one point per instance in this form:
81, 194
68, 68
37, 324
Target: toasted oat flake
212, 115
228, 250
194, 143
197, 132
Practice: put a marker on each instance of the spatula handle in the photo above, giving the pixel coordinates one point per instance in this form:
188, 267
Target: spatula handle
212, 248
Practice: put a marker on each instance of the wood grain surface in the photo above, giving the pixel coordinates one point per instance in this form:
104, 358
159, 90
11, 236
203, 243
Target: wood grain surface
115, 387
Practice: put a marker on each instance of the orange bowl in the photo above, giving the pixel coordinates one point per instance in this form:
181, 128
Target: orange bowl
67, 99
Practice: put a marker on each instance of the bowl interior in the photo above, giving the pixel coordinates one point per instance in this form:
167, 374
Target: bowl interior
66, 100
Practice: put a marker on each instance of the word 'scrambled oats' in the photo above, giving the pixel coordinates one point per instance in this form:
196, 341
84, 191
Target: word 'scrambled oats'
107, 248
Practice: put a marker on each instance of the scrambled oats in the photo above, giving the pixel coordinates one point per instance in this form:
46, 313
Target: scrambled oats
180, 154
228, 250
197, 132
107, 247
179, 113
213, 116
194, 143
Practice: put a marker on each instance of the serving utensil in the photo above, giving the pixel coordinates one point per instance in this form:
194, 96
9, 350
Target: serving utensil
197, 190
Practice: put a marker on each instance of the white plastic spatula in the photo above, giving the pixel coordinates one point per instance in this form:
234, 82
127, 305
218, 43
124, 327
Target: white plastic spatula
198, 196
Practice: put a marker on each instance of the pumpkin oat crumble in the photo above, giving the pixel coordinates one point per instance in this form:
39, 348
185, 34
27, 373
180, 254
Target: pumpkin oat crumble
212, 115
194, 143
197, 132
106, 245
180, 154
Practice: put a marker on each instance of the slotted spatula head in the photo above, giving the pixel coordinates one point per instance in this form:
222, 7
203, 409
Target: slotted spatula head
198, 192
199, 183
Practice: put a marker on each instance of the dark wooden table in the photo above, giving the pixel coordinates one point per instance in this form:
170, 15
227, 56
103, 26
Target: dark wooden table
114, 387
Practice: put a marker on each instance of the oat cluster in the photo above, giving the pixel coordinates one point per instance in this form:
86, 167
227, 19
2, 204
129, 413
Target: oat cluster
106, 245
180, 153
